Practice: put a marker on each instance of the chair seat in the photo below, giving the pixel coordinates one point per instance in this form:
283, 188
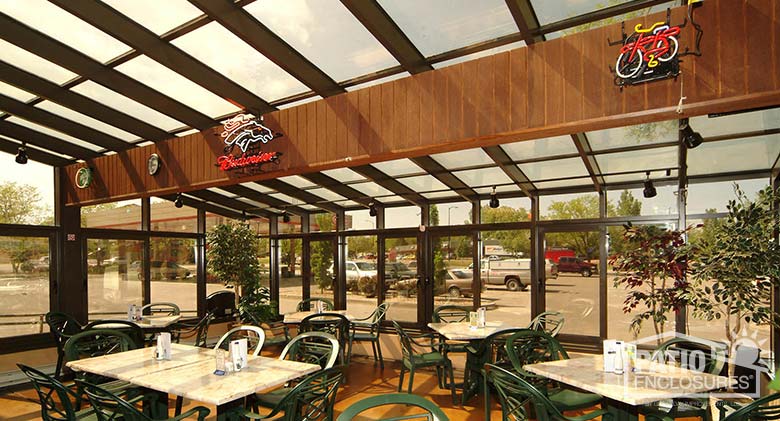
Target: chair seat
457, 346
360, 336
272, 398
680, 410
86, 415
428, 358
567, 399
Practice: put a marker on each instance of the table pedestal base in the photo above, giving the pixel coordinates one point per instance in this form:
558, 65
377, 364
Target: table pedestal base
622, 411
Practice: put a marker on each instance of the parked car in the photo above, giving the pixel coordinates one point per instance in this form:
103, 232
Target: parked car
515, 274
575, 264
165, 270
397, 271
459, 282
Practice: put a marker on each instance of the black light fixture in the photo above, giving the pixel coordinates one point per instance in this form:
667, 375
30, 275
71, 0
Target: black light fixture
21, 155
179, 202
285, 217
493, 199
649, 190
690, 138
372, 209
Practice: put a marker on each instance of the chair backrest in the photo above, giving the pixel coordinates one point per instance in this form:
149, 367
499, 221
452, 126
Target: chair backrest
757, 410
514, 392
319, 348
398, 400
492, 349
310, 303
714, 354
129, 328
451, 314
110, 407
378, 316
550, 322
55, 398
96, 342
407, 350
334, 323
312, 399
528, 346
200, 330
254, 335
62, 326
160, 309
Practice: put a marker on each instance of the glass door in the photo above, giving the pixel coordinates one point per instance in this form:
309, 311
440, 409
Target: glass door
322, 273
403, 270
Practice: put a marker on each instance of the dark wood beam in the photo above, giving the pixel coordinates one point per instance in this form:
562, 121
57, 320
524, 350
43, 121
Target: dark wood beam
387, 32
250, 30
12, 148
338, 187
271, 201
500, 157
44, 141
525, 18
237, 205
63, 55
301, 195
445, 176
197, 204
586, 153
391, 184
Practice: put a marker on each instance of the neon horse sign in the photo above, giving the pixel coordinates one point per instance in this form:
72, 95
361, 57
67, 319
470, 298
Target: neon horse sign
648, 54
243, 130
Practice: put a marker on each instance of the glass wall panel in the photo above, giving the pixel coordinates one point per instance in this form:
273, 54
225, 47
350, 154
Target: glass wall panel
401, 283
115, 215
115, 273
359, 220
506, 263
293, 225
713, 197
451, 214
290, 281
453, 277
516, 209
362, 274
569, 206
173, 273
24, 285
167, 217
322, 222
27, 192
631, 202
402, 217
322, 256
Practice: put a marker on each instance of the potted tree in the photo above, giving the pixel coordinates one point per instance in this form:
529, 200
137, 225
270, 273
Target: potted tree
232, 258
652, 266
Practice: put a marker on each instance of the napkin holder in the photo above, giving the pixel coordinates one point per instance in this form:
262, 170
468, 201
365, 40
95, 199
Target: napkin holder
163, 350
238, 354
611, 350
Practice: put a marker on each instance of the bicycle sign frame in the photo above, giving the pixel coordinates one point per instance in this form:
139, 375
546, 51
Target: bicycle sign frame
648, 54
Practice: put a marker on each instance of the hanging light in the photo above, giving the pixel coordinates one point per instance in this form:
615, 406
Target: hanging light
372, 209
493, 199
649, 190
285, 217
690, 138
179, 202
21, 155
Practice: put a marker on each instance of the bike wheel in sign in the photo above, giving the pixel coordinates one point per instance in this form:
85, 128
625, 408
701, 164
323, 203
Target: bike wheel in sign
671, 52
626, 67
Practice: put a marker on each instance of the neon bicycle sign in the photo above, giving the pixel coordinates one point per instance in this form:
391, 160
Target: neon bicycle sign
243, 132
648, 54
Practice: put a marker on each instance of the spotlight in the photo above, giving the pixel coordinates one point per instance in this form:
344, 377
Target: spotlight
179, 202
285, 217
372, 209
493, 199
649, 190
21, 155
690, 138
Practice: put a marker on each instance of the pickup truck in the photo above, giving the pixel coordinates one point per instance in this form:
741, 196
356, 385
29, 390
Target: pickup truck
515, 274
575, 264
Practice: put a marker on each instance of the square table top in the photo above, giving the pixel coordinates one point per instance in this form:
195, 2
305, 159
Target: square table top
651, 382
462, 331
298, 316
148, 322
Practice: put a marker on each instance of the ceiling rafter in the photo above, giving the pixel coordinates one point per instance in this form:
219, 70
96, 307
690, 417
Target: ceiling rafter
250, 30
391, 184
338, 187
504, 161
596, 15
65, 56
55, 122
387, 32
221, 200
445, 176
12, 148
271, 201
302, 195
119, 26
42, 140
208, 207
586, 153
525, 19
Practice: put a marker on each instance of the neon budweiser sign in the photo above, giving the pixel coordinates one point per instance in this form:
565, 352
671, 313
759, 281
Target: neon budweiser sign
243, 136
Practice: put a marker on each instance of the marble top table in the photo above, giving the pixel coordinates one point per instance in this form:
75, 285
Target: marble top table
298, 316
131, 364
148, 322
462, 331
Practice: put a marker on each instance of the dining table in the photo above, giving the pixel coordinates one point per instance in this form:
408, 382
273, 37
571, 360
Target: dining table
649, 382
190, 373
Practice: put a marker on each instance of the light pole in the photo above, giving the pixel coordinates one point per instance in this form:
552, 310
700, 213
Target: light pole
449, 233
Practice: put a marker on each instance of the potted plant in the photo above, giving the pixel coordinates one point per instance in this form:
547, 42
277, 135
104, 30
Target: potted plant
652, 266
736, 266
232, 258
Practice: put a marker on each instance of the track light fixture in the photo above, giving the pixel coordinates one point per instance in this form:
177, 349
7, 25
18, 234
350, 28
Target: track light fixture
649, 190
179, 202
372, 209
21, 155
285, 217
493, 199
690, 138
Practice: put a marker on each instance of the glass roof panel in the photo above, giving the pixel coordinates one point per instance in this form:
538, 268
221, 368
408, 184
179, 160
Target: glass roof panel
556, 168
436, 26
371, 189
499, 189
554, 11
258, 187
285, 198
344, 203
390, 199
55, 133
86, 120
658, 158
326, 194
479, 54
176, 86
600, 5
8, 139
377, 81
483, 177
344, 175
637, 177
34, 64
439, 195
398, 167
120, 102
64, 27
297, 181
226, 53
326, 33
463, 159
737, 123
563, 183
540, 148
310, 207
753, 153
187, 132
423, 183
15, 93
157, 16
641, 134
222, 192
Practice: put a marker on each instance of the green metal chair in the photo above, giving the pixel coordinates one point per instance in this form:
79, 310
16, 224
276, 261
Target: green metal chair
62, 326
452, 314
334, 323
550, 322
514, 393
310, 400
128, 328
309, 304
686, 407
161, 309
111, 407
254, 335
413, 360
368, 330
276, 332
387, 401
533, 346
759, 409
56, 398
198, 331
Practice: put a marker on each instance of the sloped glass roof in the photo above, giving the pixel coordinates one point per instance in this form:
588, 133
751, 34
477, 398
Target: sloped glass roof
157, 16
